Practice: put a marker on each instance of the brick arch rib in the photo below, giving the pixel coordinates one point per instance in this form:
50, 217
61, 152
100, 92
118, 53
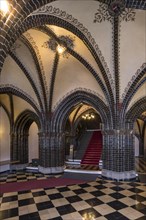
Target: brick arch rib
16, 59
24, 117
138, 82
38, 20
136, 110
10, 89
7, 112
68, 104
106, 91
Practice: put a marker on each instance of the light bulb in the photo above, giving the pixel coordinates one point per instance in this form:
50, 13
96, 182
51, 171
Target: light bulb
60, 49
4, 6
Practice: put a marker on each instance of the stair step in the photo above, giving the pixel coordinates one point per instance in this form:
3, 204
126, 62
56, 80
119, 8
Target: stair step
94, 149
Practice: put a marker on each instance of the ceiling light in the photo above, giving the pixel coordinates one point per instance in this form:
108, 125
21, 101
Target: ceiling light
60, 49
88, 116
4, 6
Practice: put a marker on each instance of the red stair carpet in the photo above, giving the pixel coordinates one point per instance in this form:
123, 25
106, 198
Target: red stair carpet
94, 149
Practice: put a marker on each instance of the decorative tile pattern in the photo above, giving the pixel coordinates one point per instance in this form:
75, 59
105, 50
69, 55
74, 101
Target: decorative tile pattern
65, 41
103, 14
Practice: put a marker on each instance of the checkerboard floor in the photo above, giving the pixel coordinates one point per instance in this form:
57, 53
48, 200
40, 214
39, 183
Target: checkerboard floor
21, 176
98, 200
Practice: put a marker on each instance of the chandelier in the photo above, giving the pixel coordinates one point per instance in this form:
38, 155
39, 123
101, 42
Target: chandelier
88, 116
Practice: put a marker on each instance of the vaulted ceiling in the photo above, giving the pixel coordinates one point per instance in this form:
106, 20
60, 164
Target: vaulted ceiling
104, 56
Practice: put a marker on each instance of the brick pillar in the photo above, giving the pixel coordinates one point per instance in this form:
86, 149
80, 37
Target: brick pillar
13, 146
118, 154
23, 148
19, 151
51, 152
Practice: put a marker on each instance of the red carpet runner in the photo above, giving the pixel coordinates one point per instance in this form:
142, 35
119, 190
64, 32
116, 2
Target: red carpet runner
94, 149
37, 184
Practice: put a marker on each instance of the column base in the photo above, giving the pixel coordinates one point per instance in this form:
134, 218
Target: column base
127, 175
51, 170
18, 166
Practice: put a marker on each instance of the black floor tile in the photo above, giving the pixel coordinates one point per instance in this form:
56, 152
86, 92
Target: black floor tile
135, 190
139, 206
44, 205
24, 202
21, 178
40, 193
31, 216
116, 216
138, 198
10, 199
117, 205
117, 195
57, 218
97, 193
79, 191
2, 181
72, 199
143, 211
100, 187
84, 185
5, 214
117, 188
94, 202
66, 209
134, 184
55, 196
141, 218
23, 192
102, 181
63, 189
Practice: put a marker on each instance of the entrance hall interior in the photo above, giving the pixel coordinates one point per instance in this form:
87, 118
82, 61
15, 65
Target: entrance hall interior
73, 109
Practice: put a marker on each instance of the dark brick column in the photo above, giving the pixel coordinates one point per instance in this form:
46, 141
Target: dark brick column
23, 148
19, 150
13, 146
118, 154
51, 152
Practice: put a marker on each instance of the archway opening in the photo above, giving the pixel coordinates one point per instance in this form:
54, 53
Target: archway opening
33, 144
26, 138
5, 154
140, 143
82, 126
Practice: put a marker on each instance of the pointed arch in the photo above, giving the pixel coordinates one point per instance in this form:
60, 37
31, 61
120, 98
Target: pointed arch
136, 110
20, 135
68, 104
10, 89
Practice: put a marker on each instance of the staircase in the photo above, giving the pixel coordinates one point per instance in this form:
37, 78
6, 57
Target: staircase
84, 141
94, 149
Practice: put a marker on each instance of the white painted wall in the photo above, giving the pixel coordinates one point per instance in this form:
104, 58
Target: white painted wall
4, 136
33, 149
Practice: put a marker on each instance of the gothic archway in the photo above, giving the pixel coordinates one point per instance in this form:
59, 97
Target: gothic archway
20, 135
